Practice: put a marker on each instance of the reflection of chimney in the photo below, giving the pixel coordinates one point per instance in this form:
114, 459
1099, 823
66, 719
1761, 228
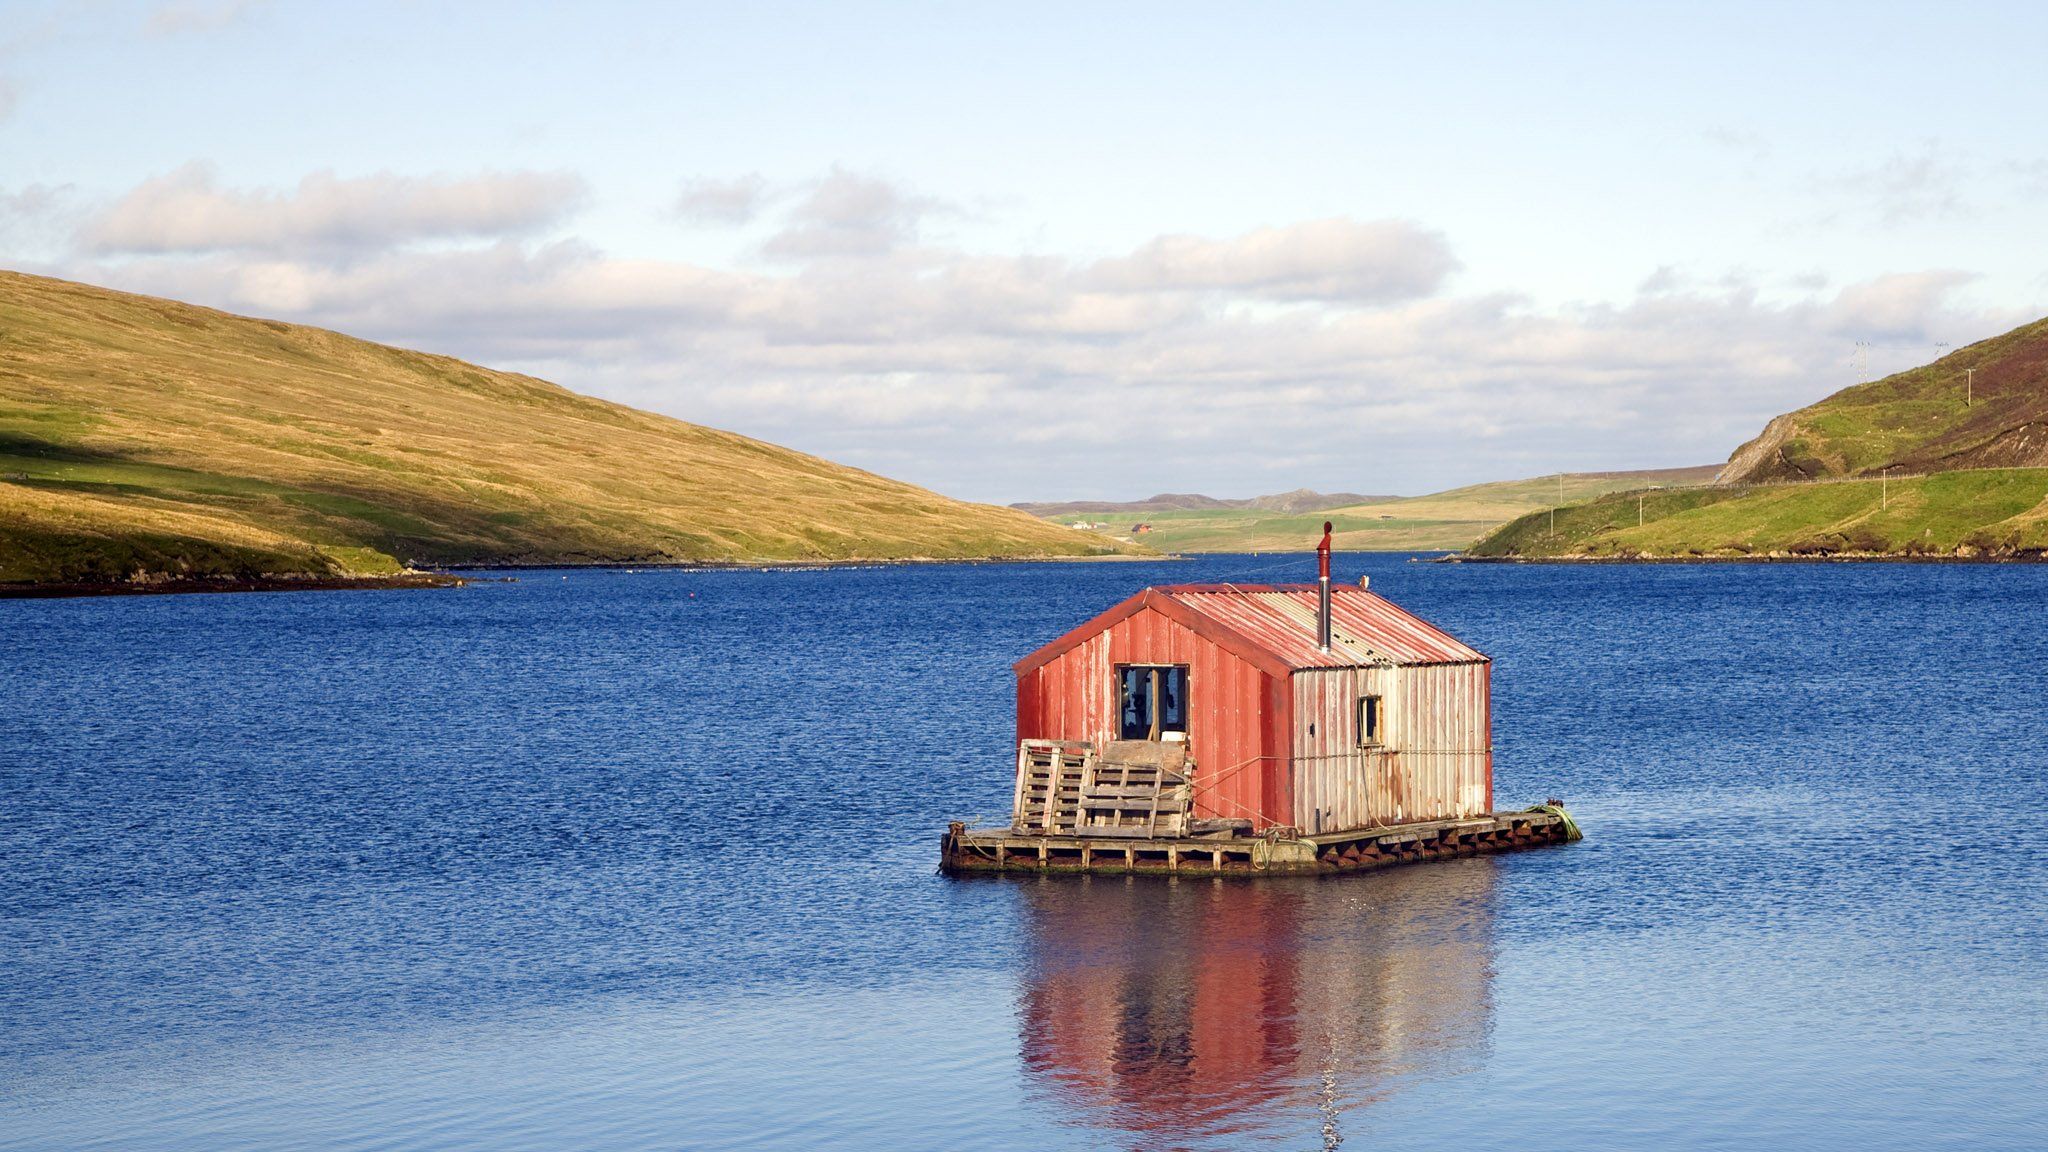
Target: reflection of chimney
1323, 590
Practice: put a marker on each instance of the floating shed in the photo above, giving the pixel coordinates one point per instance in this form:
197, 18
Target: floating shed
1303, 715
1389, 724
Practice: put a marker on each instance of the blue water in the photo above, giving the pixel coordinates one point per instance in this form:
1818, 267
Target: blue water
645, 860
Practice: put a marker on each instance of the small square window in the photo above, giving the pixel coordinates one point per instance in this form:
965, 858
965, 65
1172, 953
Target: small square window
1368, 721
1153, 700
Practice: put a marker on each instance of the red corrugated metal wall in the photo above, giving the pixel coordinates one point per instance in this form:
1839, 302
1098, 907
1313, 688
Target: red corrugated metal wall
1238, 730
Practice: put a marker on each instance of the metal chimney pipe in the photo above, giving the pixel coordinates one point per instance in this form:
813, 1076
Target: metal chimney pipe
1323, 590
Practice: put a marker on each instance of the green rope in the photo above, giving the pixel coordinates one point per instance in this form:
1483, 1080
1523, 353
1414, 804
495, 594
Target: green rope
1571, 826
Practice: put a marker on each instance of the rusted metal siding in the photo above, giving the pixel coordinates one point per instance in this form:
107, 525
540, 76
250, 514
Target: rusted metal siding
1237, 731
1434, 760
1365, 628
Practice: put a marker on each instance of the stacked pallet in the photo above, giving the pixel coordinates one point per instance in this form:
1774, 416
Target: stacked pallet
1137, 788
1049, 778
1133, 788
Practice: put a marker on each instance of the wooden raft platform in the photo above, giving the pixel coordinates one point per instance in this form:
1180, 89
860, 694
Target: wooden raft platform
1009, 850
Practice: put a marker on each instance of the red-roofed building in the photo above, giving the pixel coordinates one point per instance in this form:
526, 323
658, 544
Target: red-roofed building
1388, 723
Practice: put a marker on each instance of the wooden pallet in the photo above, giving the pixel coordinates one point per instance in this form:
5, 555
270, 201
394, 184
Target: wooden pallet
1129, 788
1137, 788
1049, 777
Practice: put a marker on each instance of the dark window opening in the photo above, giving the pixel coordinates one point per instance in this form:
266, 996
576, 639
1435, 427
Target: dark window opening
1368, 721
1154, 700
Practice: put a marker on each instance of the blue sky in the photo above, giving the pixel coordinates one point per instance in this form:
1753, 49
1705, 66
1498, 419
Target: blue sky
1037, 251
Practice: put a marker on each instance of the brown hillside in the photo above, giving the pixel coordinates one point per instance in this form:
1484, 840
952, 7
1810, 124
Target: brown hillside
142, 437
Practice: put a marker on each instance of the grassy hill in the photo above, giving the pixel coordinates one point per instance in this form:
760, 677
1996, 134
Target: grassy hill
1440, 522
142, 439
1983, 406
1999, 512
1966, 456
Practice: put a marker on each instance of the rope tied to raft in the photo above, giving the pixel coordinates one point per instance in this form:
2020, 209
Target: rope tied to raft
1556, 808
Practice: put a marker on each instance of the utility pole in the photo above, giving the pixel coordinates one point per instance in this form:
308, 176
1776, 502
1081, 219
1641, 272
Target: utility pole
1884, 490
1862, 361
1969, 386
1639, 509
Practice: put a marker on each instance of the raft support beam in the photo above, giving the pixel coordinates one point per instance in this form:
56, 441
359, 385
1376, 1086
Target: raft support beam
964, 849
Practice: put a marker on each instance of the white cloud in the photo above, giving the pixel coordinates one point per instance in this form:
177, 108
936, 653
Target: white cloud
1926, 183
33, 200
1006, 377
36, 217
1329, 260
735, 201
1900, 306
1665, 279
1742, 142
31, 203
2030, 175
846, 214
187, 210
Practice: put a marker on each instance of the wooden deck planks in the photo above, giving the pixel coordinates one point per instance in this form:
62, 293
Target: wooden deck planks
1128, 850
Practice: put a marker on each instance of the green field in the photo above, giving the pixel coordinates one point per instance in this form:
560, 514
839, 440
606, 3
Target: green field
2001, 512
142, 439
1443, 521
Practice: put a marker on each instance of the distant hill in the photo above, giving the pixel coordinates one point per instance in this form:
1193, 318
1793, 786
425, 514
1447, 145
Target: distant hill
1299, 500
1996, 513
1961, 438
144, 440
1443, 521
1983, 406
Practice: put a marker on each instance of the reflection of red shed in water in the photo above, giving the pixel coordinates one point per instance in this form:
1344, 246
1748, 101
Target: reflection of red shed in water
1226, 1015
1388, 723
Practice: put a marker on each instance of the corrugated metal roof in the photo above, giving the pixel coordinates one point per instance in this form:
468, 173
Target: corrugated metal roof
1365, 628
